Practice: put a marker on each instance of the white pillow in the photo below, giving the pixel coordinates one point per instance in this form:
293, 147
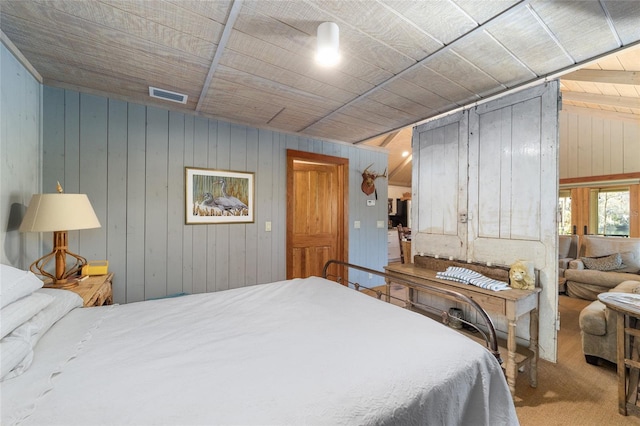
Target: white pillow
16, 313
630, 263
40, 323
16, 283
15, 357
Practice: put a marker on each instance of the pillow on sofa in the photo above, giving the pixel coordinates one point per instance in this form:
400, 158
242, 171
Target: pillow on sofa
606, 263
630, 263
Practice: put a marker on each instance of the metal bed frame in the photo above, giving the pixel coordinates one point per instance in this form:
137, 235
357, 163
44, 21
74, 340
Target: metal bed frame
490, 337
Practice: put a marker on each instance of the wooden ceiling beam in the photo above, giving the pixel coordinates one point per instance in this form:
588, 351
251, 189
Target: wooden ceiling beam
224, 39
592, 98
390, 137
387, 140
604, 76
401, 166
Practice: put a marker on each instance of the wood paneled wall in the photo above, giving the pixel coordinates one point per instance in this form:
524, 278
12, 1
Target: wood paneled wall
130, 161
20, 154
592, 144
598, 146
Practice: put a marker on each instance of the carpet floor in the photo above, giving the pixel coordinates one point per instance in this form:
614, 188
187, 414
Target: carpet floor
570, 392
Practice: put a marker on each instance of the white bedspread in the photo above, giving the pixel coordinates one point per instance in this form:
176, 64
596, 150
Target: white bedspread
295, 352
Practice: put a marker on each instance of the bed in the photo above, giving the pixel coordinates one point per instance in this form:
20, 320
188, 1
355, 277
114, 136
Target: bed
302, 351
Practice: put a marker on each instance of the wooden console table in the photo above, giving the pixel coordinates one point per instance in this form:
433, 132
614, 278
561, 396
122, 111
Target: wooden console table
512, 304
627, 309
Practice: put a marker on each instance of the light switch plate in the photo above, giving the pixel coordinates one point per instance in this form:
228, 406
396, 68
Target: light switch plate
267, 226
356, 224
380, 224
371, 203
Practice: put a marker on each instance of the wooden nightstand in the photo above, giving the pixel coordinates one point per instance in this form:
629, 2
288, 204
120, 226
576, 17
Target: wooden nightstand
95, 290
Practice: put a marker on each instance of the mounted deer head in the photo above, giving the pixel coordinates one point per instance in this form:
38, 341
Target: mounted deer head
368, 180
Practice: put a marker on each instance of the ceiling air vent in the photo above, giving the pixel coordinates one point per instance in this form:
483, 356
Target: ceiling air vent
167, 95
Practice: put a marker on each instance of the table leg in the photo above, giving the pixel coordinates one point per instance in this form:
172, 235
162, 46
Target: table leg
511, 367
533, 346
410, 296
622, 369
633, 372
387, 296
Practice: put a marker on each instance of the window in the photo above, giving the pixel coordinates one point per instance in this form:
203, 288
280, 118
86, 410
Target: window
610, 211
564, 213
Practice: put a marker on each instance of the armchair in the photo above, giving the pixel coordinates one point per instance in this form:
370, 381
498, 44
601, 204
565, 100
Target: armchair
598, 327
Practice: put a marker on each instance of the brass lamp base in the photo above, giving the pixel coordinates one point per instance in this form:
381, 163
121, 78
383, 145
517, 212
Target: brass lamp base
64, 278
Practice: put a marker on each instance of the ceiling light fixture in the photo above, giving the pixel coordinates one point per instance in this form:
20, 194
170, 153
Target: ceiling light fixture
328, 42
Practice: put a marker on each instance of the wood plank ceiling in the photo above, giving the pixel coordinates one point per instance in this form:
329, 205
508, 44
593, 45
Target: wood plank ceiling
609, 87
252, 61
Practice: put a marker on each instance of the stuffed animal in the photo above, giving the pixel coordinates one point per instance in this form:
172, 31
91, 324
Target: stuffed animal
521, 277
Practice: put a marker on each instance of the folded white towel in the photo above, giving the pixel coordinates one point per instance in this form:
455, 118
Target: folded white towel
467, 276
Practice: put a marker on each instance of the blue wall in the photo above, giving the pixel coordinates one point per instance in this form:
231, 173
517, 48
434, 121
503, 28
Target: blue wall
130, 160
20, 152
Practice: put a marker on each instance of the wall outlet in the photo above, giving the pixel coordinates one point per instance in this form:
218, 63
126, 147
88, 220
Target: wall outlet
380, 224
356, 224
370, 275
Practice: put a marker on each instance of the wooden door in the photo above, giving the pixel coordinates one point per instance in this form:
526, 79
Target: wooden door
316, 212
486, 188
440, 180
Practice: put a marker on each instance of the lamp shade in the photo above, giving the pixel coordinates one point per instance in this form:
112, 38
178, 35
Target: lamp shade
59, 212
328, 43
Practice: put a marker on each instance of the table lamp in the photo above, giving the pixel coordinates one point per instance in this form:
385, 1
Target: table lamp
59, 213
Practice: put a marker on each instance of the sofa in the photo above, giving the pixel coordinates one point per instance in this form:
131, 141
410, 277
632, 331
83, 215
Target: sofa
602, 264
598, 327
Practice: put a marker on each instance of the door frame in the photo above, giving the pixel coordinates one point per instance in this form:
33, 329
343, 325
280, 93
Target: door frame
342, 252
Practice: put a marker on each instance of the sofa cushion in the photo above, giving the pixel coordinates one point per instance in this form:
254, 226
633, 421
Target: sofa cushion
631, 286
630, 263
597, 246
605, 263
576, 264
608, 279
592, 319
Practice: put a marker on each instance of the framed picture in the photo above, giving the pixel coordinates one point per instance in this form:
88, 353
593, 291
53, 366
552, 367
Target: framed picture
218, 196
